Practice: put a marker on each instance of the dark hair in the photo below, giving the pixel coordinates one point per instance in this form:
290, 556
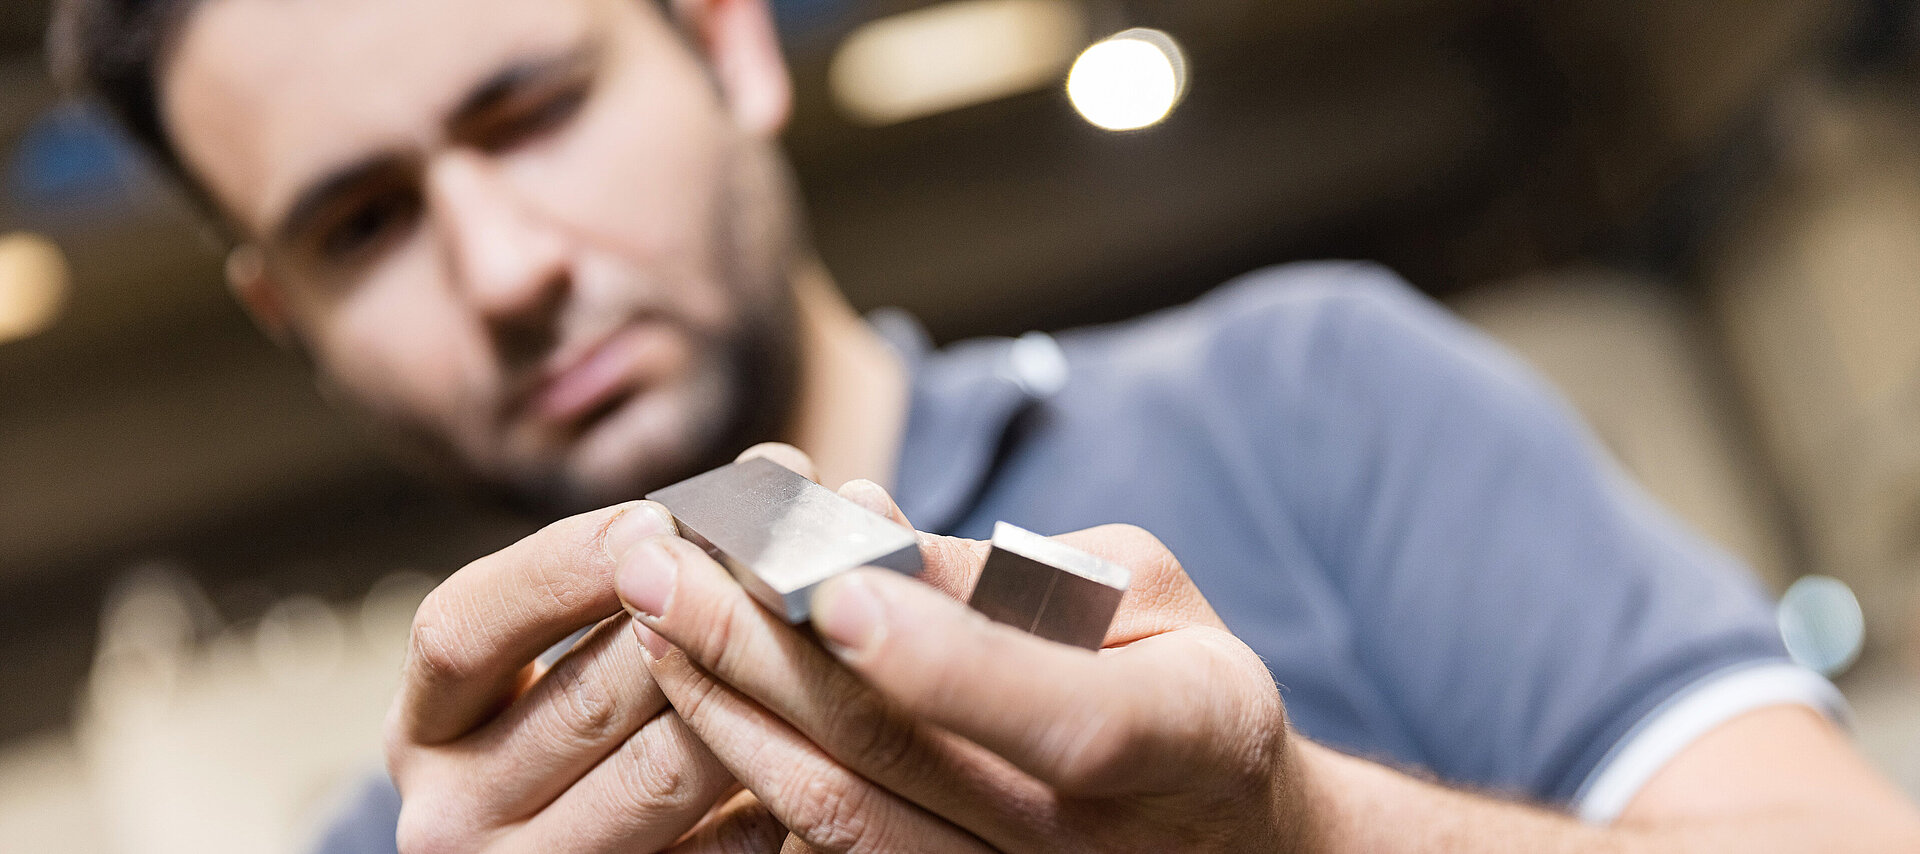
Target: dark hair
113, 50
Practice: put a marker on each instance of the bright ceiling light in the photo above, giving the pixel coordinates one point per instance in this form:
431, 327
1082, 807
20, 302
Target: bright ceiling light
953, 55
1129, 80
33, 285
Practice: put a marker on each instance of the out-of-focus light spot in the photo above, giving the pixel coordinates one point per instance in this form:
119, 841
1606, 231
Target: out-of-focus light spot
300, 643
953, 55
1822, 624
1129, 80
33, 285
387, 611
149, 630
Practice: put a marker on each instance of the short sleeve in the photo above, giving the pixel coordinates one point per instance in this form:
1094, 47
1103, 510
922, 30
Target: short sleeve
1524, 608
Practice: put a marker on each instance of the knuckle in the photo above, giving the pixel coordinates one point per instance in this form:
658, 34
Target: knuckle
586, 713
754, 832
692, 704
882, 742
649, 786
585, 530
830, 813
550, 562
433, 653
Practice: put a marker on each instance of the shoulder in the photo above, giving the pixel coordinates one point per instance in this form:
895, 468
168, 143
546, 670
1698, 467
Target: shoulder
1327, 334
1302, 302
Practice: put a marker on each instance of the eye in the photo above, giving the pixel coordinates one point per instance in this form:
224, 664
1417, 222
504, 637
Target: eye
368, 224
528, 115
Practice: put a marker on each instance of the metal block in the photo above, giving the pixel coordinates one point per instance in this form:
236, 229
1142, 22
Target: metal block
781, 534
1049, 589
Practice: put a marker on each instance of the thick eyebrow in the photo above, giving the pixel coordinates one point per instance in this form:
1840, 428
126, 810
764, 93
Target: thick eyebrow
504, 83
317, 196
485, 96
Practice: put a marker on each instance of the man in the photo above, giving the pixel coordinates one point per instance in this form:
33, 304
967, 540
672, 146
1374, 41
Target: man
552, 243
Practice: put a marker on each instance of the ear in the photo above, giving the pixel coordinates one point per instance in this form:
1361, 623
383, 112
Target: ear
743, 46
247, 277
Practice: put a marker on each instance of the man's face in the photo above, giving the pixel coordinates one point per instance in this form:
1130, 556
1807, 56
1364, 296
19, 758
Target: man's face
527, 232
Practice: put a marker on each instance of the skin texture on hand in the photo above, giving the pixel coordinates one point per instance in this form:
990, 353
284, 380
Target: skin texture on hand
490, 754
930, 728
926, 727
708, 724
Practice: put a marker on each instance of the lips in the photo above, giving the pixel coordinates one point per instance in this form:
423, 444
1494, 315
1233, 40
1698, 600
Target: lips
589, 382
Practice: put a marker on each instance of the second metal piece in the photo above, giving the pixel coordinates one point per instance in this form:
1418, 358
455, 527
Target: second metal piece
1049, 589
781, 534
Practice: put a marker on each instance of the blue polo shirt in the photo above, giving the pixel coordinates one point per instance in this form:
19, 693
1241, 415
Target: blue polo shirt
1439, 565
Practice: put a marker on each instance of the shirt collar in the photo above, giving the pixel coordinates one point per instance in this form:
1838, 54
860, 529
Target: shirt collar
965, 400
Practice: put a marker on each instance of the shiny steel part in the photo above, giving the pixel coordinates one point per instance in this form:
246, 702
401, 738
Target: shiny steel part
1049, 589
781, 534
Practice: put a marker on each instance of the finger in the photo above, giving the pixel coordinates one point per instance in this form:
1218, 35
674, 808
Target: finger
476, 632
1136, 719
948, 563
704, 617
581, 710
648, 793
700, 610
874, 498
1160, 596
741, 825
819, 800
792, 458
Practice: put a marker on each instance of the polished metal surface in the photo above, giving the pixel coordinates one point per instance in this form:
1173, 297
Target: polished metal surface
781, 534
1049, 589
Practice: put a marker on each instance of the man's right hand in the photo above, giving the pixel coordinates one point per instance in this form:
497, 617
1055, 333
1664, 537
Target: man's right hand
490, 754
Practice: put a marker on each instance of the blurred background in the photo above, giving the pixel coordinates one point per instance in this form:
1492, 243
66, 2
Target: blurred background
1701, 218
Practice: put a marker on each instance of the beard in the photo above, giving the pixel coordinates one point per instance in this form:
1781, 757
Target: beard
741, 393
740, 388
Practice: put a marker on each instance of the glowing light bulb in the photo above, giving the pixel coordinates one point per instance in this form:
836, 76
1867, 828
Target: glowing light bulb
1129, 80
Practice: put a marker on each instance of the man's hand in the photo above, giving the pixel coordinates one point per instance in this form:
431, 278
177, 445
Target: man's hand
489, 754
937, 730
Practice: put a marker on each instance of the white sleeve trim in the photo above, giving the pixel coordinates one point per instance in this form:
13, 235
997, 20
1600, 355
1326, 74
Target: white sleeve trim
1699, 708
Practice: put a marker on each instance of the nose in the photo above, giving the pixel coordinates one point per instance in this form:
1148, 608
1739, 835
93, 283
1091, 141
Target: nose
508, 262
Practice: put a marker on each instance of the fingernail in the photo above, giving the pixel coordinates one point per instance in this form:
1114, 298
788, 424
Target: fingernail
645, 579
847, 614
651, 641
867, 494
644, 519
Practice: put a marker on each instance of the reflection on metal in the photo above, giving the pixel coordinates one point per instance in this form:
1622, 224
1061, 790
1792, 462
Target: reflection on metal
952, 55
1822, 624
1129, 80
1049, 589
33, 285
781, 534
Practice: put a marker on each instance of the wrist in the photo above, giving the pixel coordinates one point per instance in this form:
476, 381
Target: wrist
1309, 805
